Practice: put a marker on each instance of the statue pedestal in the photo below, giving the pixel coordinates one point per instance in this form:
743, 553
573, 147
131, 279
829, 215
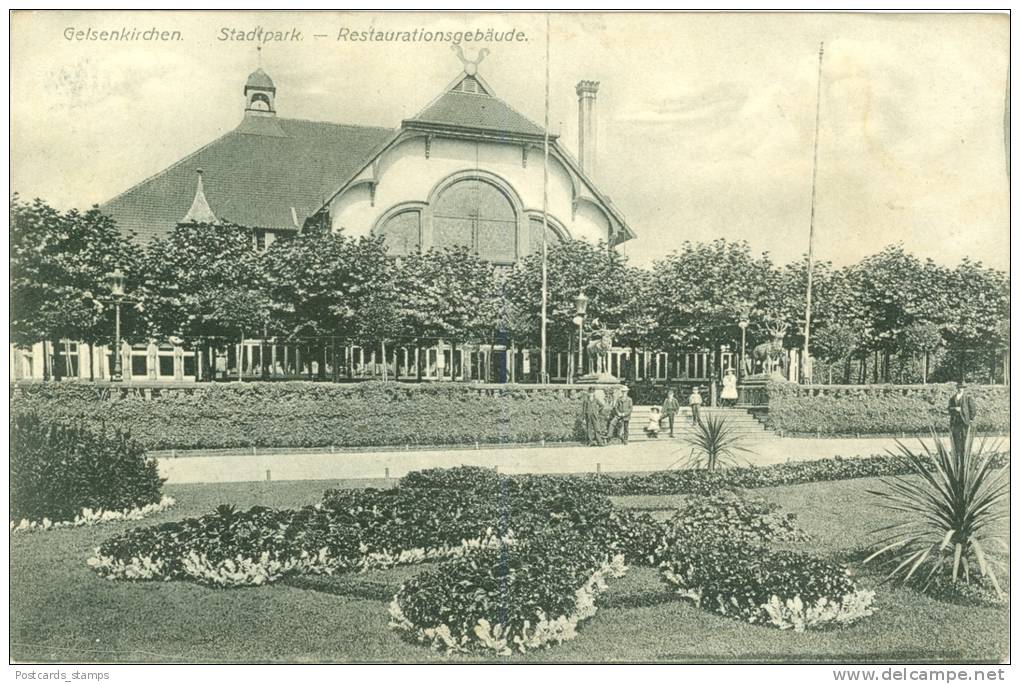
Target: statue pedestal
598, 379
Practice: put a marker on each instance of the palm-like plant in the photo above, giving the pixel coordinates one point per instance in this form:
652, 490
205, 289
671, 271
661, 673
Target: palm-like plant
955, 510
714, 443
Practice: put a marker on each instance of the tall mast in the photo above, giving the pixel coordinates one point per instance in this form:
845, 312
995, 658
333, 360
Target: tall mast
806, 361
545, 207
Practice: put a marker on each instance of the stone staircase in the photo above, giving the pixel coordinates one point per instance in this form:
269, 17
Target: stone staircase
741, 421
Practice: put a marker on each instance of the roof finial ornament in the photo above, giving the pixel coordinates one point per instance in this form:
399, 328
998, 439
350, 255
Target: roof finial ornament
200, 211
258, 56
470, 66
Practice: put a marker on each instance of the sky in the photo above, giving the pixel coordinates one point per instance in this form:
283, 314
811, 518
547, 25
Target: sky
705, 121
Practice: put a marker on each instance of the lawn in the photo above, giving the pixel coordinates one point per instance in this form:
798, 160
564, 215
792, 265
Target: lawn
61, 611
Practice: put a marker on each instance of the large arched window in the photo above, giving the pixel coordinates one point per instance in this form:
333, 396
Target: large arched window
475, 214
402, 232
535, 235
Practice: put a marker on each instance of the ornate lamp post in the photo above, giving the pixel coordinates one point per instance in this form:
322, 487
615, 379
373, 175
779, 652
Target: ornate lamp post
117, 290
580, 308
744, 315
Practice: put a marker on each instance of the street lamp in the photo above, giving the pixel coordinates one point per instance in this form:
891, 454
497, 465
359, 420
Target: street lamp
744, 315
580, 308
118, 291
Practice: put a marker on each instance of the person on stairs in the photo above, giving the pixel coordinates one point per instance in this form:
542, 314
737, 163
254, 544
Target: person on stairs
694, 401
670, 407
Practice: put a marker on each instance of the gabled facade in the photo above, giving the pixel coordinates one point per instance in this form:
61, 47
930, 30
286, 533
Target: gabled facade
466, 170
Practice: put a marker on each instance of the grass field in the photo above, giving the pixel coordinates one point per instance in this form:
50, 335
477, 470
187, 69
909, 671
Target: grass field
62, 612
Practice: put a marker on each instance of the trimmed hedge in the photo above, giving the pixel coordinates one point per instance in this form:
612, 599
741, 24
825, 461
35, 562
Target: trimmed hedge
60, 469
676, 482
308, 414
878, 409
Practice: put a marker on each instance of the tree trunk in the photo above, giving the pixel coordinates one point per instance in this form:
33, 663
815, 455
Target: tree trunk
417, 362
385, 362
924, 370
846, 371
863, 377
240, 360
874, 370
55, 362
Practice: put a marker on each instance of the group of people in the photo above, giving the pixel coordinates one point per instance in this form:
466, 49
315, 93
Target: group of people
606, 421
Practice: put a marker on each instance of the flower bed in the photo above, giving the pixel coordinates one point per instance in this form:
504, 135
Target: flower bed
686, 481
520, 598
522, 560
90, 518
785, 589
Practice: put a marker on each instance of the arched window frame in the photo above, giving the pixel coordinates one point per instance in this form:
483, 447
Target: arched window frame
420, 207
492, 179
554, 224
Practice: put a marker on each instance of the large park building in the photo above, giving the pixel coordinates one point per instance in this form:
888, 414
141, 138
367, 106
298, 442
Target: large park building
465, 170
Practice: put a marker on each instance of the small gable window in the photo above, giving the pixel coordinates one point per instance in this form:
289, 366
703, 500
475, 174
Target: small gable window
402, 233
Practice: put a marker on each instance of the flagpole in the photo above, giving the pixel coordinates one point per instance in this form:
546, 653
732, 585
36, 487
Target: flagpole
806, 361
545, 208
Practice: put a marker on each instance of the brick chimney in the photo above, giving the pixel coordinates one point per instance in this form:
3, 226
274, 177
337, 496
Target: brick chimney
587, 125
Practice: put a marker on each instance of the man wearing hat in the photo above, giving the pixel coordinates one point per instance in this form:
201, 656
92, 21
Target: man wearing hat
620, 420
962, 409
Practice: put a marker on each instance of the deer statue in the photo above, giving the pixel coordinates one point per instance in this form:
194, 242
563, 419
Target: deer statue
770, 354
598, 350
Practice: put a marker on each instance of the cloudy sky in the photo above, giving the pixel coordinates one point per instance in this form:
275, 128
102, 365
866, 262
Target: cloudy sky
706, 121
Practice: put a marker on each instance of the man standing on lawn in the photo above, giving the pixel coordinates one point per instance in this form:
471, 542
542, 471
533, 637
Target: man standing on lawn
622, 408
591, 414
962, 409
670, 408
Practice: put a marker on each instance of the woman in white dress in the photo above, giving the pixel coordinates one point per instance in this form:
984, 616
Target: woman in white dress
729, 388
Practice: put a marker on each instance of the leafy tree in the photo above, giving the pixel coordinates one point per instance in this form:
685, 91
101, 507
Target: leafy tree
978, 301
204, 283
573, 267
922, 337
701, 292
60, 267
897, 290
446, 295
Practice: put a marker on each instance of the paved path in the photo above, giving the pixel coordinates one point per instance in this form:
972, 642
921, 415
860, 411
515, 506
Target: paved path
645, 456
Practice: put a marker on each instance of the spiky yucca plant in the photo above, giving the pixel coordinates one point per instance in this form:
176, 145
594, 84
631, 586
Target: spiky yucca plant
954, 511
715, 443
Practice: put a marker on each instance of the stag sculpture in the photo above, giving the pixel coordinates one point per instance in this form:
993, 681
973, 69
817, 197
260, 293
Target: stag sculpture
598, 350
770, 354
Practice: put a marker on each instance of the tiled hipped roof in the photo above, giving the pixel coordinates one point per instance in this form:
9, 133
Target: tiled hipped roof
265, 173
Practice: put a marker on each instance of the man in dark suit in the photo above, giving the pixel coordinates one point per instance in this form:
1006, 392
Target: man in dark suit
620, 421
962, 410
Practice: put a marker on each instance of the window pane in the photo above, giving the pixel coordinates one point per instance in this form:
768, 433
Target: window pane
402, 233
535, 236
451, 232
497, 241
166, 365
139, 365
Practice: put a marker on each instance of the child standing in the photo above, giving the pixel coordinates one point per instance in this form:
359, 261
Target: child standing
695, 403
652, 429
